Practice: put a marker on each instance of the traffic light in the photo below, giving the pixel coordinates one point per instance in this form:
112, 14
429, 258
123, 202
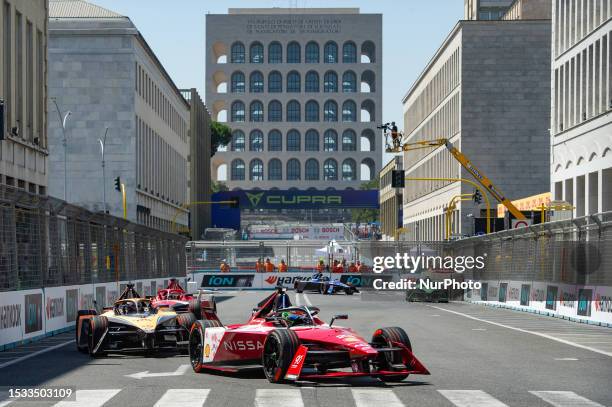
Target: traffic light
477, 197
235, 202
1, 119
398, 178
118, 184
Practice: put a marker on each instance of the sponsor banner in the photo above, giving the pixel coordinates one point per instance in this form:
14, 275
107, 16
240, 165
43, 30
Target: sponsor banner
285, 199
55, 307
72, 304
33, 313
290, 232
227, 280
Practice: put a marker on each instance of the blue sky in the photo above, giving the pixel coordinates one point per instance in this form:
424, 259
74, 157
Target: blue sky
412, 31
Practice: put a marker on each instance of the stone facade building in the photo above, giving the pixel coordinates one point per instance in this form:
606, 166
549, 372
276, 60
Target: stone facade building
391, 201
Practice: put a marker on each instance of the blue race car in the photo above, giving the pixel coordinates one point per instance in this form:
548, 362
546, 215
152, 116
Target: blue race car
324, 285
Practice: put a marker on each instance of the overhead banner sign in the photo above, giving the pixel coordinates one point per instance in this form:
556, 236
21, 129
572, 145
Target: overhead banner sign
289, 232
284, 199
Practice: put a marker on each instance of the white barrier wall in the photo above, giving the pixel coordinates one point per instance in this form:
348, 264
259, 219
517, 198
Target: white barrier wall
267, 281
28, 314
591, 304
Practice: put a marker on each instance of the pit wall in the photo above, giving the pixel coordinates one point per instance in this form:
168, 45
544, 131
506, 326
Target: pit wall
579, 303
29, 315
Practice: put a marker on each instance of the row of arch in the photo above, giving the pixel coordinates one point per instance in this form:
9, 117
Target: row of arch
577, 159
330, 171
293, 141
332, 53
293, 82
312, 111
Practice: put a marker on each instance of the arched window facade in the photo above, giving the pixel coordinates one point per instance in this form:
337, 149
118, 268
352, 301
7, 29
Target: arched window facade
330, 82
238, 140
349, 111
330, 170
349, 82
293, 82
275, 111
330, 111
293, 111
256, 142
275, 53
311, 140
256, 53
312, 82
238, 53
275, 140
349, 170
330, 53
349, 53
293, 140
275, 170
349, 140
275, 82
312, 111
256, 172
256, 111
312, 53
311, 170
294, 53
237, 172
293, 170
256, 82
237, 111
237, 83
330, 140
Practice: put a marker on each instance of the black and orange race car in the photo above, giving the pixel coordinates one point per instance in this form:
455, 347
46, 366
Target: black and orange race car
132, 324
292, 343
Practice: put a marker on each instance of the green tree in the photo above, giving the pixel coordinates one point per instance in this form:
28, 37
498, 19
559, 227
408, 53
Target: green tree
366, 215
221, 135
218, 186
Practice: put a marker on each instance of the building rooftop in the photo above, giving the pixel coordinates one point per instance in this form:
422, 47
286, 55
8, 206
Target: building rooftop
79, 9
279, 10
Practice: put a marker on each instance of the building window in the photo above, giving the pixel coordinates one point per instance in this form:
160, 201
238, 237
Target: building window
312, 140
330, 53
293, 140
349, 82
256, 82
294, 53
237, 170
312, 111
238, 141
275, 53
275, 82
238, 53
349, 53
238, 113
275, 111
293, 82
293, 170
349, 140
293, 111
275, 170
330, 82
312, 82
257, 111
330, 170
312, 53
238, 85
348, 170
330, 111
256, 142
330, 140
312, 170
256, 53
275, 141
349, 111
256, 170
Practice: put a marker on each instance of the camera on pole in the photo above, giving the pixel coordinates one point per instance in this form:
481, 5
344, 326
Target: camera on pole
118, 184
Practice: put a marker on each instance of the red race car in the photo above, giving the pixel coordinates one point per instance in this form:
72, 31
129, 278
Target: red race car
291, 343
176, 298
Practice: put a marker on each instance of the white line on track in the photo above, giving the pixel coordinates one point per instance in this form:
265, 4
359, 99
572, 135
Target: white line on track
471, 398
90, 398
566, 359
307, 299
278, 398
183, 398
370, 397
31, 355
564, 399
526, 331
5, 403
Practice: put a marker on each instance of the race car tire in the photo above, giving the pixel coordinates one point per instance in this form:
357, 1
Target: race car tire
97, 328
196, 342
79, 338
348, 291
384, 338
195, 307
279, 349
185, 321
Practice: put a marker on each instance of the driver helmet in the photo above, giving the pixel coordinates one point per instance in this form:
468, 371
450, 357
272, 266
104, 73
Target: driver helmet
290, 316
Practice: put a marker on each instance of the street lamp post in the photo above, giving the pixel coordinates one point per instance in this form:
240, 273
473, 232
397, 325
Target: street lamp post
63, 119
102, 144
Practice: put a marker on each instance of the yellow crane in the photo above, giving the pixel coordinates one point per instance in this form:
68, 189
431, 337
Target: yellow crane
465, 163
